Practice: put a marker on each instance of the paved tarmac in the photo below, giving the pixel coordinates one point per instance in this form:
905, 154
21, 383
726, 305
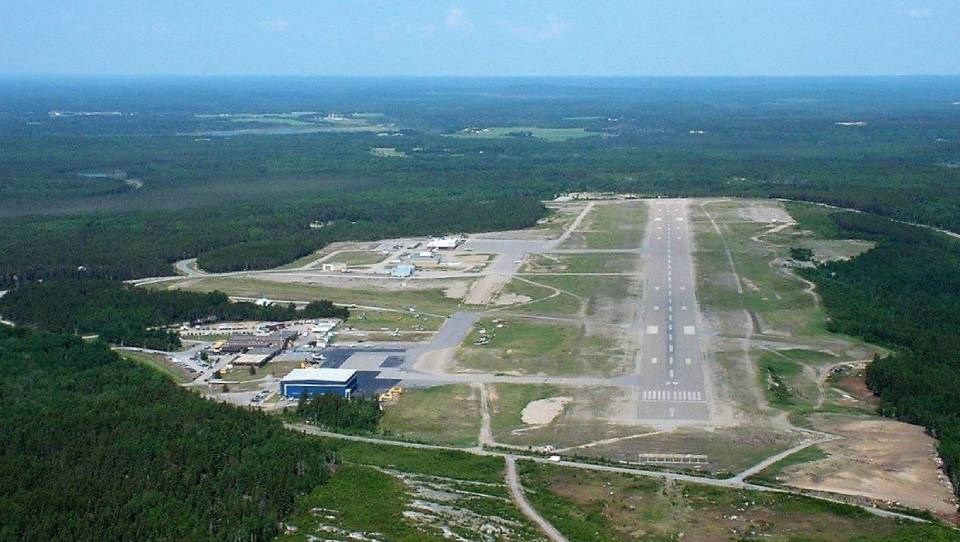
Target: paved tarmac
670, 368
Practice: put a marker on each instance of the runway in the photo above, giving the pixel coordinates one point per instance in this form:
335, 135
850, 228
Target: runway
670, 366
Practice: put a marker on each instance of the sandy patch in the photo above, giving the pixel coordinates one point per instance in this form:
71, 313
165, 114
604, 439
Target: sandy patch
456, 291
828, 250
543, 411
483, 290
436, 361
769, 211
879, 459
512, 299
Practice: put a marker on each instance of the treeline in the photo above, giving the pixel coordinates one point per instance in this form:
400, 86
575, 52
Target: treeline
380, 218
902, 294
330, 411
123, 314
98, 448
243, 236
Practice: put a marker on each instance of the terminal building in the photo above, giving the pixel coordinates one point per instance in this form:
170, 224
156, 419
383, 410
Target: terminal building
310, 382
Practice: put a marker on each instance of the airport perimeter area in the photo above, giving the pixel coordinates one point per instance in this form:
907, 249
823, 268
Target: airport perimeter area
666, 333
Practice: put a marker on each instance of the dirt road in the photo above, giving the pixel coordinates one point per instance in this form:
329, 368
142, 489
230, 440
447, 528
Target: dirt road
516, 490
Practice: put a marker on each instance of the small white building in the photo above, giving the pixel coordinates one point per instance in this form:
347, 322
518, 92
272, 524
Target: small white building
449, 242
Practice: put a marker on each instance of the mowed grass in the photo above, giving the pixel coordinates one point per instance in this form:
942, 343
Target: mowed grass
443, 415
582, 263
528, 347
447, 463
611, 226
507, 402
592, 506
160, 364
729, 450
776, 298
357, 257
771, 474
581, 421
274, 369
542, 298
375, 320
428, 300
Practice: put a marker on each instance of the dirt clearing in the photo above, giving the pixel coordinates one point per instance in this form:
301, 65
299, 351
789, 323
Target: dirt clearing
879, 459
543, 411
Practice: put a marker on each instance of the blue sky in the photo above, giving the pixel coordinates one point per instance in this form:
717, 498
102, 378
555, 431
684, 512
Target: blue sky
332, 37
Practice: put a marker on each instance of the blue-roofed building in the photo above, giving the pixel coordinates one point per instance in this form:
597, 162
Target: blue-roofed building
403, 270
310, 382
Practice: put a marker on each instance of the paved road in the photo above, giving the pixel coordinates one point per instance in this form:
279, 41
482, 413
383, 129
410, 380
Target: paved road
188, 268
670, 367
516, 490
450, 335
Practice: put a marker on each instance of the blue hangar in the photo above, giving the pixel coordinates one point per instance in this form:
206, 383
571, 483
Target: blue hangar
310, 382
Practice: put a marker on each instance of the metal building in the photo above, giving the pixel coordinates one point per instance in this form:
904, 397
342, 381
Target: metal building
310, 382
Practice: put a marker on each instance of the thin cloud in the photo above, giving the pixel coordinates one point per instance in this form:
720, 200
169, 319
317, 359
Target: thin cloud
275, 25
920, 13
552, 28
457, 19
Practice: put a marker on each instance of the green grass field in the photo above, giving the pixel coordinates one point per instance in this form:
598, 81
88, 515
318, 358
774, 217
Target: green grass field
527, 347
507, 402
387, 152
769, 475
582, 263
354, 258
375, 320
446, 463
429, 300
444, 415
611, 226
160, 364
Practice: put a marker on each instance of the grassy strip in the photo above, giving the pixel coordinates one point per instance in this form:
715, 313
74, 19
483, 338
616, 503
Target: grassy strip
443, 414
446, 463
158, 363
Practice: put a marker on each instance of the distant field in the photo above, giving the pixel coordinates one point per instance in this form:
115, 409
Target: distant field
546, 134
387, 152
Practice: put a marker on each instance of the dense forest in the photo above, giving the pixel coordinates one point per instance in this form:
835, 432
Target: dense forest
122, 314
358, 414
248, 236
98, 448
123, 196
902, 294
